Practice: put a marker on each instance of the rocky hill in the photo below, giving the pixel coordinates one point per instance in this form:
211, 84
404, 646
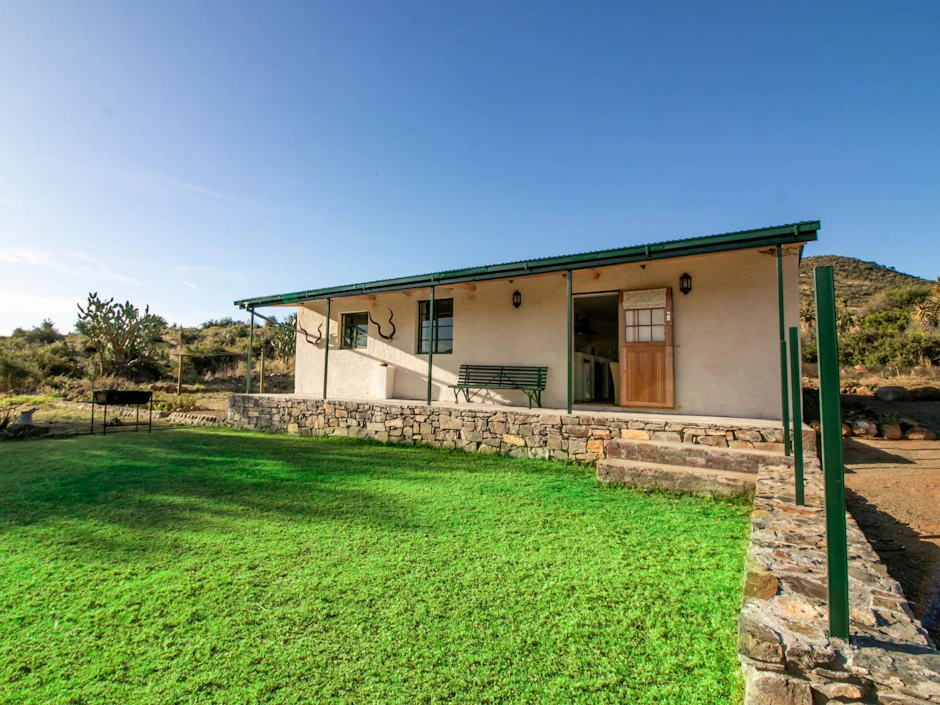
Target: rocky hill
857, 281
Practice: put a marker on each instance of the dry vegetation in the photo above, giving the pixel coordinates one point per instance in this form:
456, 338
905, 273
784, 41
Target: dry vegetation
888, 323
116, 346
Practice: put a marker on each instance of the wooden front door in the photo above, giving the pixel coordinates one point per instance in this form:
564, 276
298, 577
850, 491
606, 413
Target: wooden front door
646, 350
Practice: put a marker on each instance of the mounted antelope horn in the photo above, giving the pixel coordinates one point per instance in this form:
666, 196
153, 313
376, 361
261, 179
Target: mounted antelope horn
316, 342
391, 335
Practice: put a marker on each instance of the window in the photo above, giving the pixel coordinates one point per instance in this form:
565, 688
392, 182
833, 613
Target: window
443, 326
645, 325
355, 330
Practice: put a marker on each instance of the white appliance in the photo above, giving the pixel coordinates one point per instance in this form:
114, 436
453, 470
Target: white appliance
591, 377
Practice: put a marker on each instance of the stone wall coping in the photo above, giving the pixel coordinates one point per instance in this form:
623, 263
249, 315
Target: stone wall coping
786, 654
614, 413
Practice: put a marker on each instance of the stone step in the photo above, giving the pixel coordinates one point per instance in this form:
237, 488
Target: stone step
696, 456
676, 478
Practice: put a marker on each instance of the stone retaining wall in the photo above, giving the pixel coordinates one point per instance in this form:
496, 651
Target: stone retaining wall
522, 433
786, 656
189, 418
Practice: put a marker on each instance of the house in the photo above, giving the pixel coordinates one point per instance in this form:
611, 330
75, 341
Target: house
688, 327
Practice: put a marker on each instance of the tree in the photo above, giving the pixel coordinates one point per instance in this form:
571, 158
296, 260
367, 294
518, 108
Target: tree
280, 341
927, 312
124, 340
43, 334
847, 321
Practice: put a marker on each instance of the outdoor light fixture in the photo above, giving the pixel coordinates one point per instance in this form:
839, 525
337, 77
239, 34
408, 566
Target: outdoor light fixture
516, 299
685, 283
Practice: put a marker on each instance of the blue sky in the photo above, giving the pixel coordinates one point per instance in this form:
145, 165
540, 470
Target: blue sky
183, 155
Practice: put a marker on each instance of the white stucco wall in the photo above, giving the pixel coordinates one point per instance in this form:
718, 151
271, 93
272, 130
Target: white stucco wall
725, 333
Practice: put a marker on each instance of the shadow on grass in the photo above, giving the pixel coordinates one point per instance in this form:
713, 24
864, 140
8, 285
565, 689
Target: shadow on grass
186, 480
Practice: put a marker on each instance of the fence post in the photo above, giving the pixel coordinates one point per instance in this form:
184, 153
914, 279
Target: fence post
833, 470
796, 384
261, 371
179, 376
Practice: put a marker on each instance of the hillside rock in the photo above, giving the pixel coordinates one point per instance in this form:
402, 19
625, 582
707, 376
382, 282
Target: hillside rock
892, 431
925, 394
920, 433
892, 394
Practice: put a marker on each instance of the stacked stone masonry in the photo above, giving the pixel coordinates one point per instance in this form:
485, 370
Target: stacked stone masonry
524, 433
187, 418
786, 655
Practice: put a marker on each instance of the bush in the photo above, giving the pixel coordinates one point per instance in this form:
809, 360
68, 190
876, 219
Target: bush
905, 298
16, 372
57, 360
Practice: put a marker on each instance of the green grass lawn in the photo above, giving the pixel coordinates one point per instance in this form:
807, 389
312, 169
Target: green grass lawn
219, 566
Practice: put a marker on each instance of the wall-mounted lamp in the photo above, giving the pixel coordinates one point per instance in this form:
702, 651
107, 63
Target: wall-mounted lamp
685, 283
516, 299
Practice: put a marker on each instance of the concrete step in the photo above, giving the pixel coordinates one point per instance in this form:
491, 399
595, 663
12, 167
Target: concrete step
677, 478
696, 456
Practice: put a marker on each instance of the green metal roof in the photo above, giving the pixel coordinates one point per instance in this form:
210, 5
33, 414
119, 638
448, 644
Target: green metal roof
741, 240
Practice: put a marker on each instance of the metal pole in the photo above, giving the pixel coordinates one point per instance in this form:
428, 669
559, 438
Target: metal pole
796, 384
261, 372
784, 392
251, 342
432, 338
326, 349
833, 470
570, 341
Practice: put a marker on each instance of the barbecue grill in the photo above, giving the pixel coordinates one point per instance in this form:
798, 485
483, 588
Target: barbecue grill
117, 397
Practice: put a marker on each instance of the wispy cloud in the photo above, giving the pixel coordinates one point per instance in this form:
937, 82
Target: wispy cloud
191, 285
188, 268
155, 182
77, 263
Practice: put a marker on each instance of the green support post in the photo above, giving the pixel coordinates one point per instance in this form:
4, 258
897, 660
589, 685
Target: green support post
570, 342
432, 339
784, 391
833, 470
251, 342
796, 384
326, 349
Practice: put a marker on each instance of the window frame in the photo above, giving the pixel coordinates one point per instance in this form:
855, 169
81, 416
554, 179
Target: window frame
423, 309
342, 331
647, 324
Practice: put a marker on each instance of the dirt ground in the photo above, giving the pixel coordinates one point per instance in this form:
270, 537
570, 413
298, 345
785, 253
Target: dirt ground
893, 491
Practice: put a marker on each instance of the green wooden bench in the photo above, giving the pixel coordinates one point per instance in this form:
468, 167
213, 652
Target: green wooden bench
530, 380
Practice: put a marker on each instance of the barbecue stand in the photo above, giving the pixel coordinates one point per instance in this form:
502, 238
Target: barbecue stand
107, 397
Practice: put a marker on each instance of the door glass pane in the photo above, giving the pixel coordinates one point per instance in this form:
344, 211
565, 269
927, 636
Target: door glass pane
644, 334
644, 316
659, 333
659, 316
630, 317
631, 334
